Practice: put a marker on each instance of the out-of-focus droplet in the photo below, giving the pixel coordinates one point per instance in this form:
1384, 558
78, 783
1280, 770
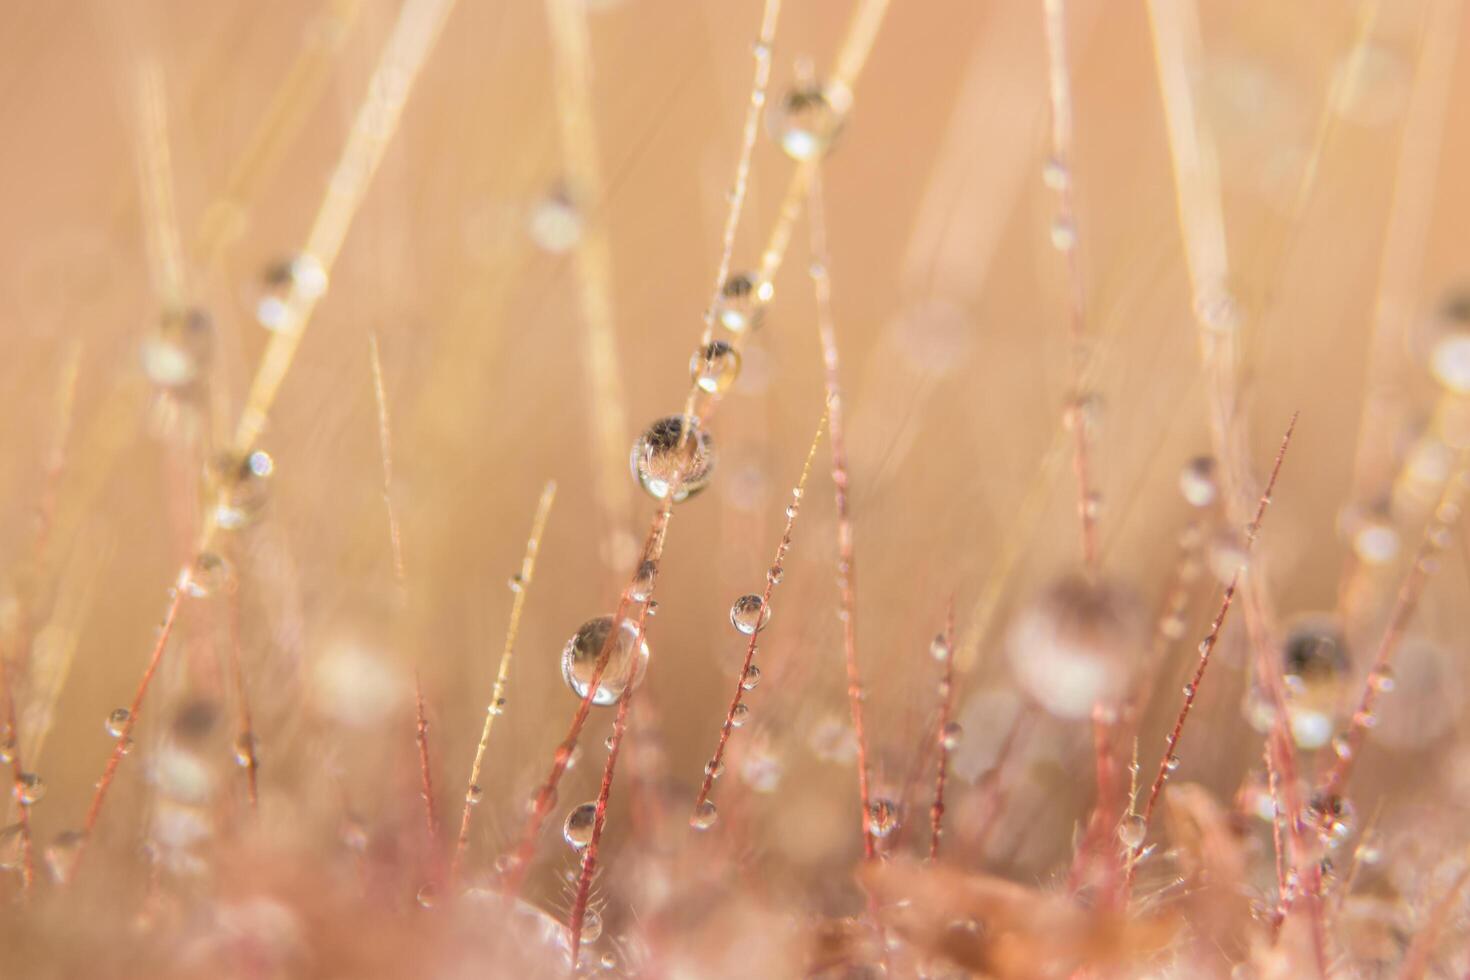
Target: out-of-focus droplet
208, 575
1132, 831
1072, 648
29, 789
591, 926
1314, 665
245, 751
179, 351
715, 366
1333, 816
761, 770
750, 614
428, 896
117, 722
808, 118
704, 816
577, 831
939, 648
742, 302
302, 274
1199, 482
1228, 555
950, 735
1376, 541
663, 459
882, 817
556, 222
473, 794
1063, 235
61, 854
627, 659
240, 486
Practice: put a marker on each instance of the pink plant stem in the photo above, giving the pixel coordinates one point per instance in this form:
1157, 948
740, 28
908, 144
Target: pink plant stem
1436, 536
17, 773
995, 778
246, 743
1208, 646
1059, 78
778, 564
946, 702
1278, 845
846, 568
426, 772
1416, 960
119, 748
545, 797
599, 820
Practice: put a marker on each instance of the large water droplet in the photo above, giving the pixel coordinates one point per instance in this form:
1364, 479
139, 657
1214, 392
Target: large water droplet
627, 659
580, 822
663, 458
750, 614
704, 816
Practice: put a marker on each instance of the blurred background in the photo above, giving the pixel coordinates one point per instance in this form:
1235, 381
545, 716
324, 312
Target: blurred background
1338, 130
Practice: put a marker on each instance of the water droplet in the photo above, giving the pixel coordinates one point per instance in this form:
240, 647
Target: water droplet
939, 648
1370, 848
7, 745
663, 458
1199, 481
1055, 174
1074, 645
302, 273
1375, 539
1132, 831
179, 351
1381, 679
625, 664
882, 817
428, 896
1229, 555
1342, 747
704, 816
761, 770
579, 826
740, 715
556, 223
950, 735
1333, 816
473, 794
516, 583
1189, 690
714, 367
752, 678
117, 722
773, 574
61, 854
808, 118
742, 304
1171, 764
29, 788
591, 926
208, 575
1449, 360
640, 589
1063, 235
750, 614
714, 769
239, 485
